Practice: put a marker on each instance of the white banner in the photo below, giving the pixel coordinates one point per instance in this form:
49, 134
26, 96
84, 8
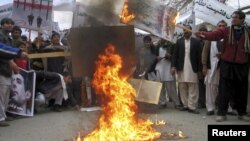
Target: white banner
152, 16
212, 11
97, 12
5, 11
186, 19
33, 14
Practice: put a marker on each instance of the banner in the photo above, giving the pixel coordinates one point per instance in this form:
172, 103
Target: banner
22, 93
212, 11
33, 14
186, 19
5, 11
97, 12
150, 15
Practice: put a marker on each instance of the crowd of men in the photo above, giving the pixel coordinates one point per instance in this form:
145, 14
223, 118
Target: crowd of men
210, 68
207, 71
53, 79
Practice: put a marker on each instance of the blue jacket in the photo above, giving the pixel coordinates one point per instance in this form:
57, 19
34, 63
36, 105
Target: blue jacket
7, 53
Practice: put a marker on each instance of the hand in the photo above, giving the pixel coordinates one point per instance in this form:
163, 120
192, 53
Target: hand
218, 55
204, 70
173, 71
24, 55
200, 34
14, 67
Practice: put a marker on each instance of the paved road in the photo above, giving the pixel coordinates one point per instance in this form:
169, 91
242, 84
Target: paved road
51, 126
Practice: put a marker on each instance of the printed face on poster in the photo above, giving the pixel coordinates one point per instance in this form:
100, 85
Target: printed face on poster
21, 100
33, 14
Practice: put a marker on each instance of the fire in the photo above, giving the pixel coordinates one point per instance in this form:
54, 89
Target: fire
176, 18
126, 17
118, 121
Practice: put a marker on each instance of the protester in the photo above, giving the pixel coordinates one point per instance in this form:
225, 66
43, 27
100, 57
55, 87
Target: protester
163, 69
234, 65
53, 86
185, 63
210, 69
55, 64
6, 53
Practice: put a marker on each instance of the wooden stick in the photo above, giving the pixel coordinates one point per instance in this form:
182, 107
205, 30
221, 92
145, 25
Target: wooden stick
48, 55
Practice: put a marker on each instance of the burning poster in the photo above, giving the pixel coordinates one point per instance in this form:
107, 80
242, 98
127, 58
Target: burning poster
186, 19
97, 12
87, 42
150, 15
22, 93
33, 14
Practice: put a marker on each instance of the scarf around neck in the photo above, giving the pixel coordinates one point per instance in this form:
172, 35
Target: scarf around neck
235, 34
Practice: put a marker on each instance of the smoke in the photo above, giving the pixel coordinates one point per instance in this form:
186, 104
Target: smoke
104, 12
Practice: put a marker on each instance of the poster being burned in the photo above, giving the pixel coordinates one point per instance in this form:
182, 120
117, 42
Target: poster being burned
150, 15
33, 14
21, 100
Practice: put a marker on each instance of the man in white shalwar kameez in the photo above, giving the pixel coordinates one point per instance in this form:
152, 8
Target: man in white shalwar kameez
186, 62
163, 69
212, 76
210, 68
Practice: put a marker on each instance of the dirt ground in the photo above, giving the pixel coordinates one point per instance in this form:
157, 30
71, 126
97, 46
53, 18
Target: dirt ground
64, 126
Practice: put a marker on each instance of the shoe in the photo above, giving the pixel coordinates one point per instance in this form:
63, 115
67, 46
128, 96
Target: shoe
9, 119
221, 118
232, 113
57, 108
183, 109
4, 124
163, 106
193, 111
244, 118
201, 106
178, 107
209, 113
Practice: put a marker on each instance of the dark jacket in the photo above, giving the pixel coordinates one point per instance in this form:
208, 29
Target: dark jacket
55, 64
233, 53
179, 54
5, 69
46, 81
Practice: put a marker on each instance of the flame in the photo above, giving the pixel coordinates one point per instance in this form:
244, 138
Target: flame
181, 135
118, 121
126, 17
176, 18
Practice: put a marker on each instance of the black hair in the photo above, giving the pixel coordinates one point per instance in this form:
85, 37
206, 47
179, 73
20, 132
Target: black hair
65, 73
189, 26
147, 38
54, 34
222, 21
24, 38
17, 28
203, 28
7, 20
241, 14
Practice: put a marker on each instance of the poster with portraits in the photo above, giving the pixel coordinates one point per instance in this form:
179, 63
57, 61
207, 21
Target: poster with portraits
22, 93
152, 16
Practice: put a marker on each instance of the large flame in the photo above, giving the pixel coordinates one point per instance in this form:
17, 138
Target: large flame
118, 121
126, 16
